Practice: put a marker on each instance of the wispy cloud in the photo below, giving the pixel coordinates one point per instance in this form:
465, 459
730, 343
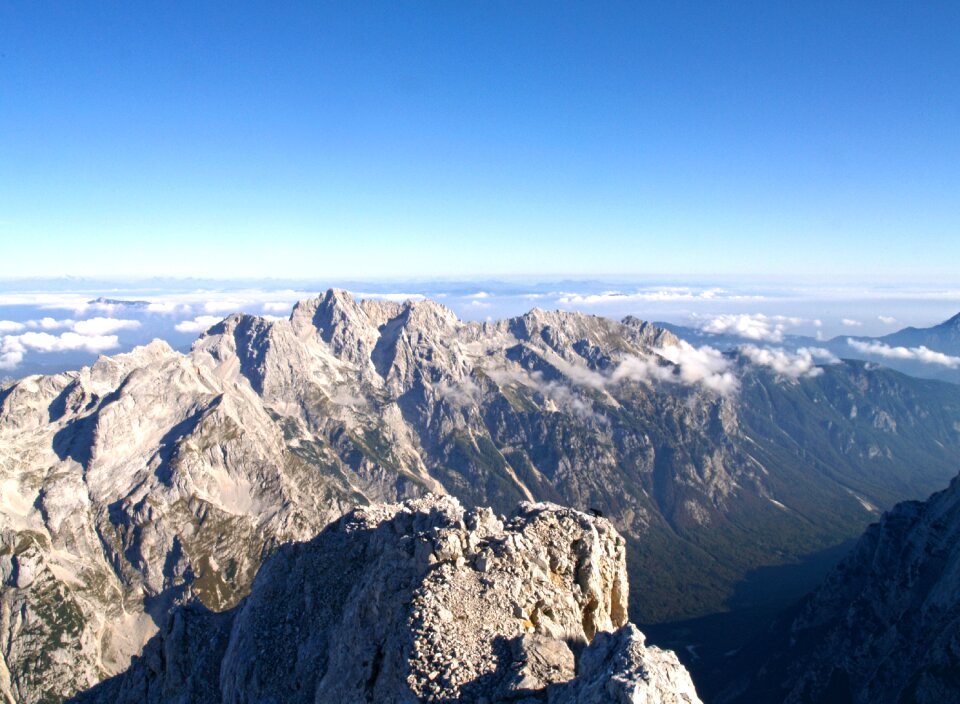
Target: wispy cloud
920, 354
559, 395
674, 364
850, 323
887, 319
460, 394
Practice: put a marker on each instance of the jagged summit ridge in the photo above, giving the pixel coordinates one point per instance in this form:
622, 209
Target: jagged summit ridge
422, 601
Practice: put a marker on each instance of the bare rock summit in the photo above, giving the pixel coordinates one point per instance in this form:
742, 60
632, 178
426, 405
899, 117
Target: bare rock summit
422, 601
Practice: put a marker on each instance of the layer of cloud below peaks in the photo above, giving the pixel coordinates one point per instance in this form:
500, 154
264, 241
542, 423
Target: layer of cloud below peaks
650, 296
918, 354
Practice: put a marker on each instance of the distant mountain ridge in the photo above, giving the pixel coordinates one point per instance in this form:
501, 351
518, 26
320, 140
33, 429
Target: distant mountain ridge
944, 337
156, 478
903, 350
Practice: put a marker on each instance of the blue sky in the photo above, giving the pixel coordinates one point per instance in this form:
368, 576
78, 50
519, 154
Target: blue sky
808, 141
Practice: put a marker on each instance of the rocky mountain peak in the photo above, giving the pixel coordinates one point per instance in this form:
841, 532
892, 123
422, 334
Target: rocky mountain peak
952, 323
422, 601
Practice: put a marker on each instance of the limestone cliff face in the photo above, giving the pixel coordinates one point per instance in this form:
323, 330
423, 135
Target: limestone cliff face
421, 602
885, 625
155, 479
145, 479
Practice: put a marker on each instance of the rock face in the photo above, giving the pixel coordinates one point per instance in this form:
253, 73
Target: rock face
155, 479
421, 601
885, 626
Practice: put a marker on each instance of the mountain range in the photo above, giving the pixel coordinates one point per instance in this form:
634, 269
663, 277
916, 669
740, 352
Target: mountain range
154, 479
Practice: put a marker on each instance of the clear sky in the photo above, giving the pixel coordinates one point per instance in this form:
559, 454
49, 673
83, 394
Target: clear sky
812, 140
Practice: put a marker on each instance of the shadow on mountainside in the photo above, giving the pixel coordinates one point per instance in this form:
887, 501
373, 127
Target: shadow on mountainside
713, 647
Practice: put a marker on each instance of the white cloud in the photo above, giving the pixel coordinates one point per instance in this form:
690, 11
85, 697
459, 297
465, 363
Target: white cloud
45, 342
11, 352
918, 354
11, 326
478, 294
687, 365
850, 323
759, 327
10, 358
701, 365
201, 323
104, 326
642, 369
790, 364
887, 319
278, 306
479, 304
49, 323
14, 347
678, 293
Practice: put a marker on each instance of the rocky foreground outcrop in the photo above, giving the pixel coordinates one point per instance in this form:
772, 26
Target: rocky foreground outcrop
883, 628
420, 601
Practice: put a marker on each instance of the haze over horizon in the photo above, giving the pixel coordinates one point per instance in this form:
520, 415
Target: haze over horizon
757, 141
